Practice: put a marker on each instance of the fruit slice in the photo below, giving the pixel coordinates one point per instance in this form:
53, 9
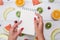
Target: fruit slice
18, 13
48, 25
35, 2
40, 9
56, 14
6, 12
3, 37
7, 28
54, 33
1, 2
20, 2
51, 1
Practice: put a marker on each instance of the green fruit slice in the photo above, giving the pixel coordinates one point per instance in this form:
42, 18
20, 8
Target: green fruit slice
51, 1
48, 25
18, 13
53, 34
40, 10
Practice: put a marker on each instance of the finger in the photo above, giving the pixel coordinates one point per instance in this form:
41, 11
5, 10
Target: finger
16, 25
20, 31
39, 18
35, 24
40, 21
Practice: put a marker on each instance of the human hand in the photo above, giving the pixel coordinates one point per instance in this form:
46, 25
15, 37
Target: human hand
14, 33
38, 23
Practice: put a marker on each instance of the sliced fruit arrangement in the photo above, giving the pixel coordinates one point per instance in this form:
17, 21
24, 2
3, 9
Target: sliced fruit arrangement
56, 14
18, 14
40, 9
7, 28
20, 2
6, 12
51, 1
3, 37
1, 2
48, 25
54, 33
35, 2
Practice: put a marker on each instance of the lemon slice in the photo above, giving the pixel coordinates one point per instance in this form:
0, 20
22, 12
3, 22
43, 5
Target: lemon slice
19, 2
3, 37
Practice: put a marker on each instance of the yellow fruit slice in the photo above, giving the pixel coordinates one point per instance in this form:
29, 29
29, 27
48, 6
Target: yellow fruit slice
19, 2
56, 14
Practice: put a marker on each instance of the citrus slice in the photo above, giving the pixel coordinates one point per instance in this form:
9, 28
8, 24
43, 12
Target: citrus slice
3, 37
19, 2
56, 14
54, 33
7, 28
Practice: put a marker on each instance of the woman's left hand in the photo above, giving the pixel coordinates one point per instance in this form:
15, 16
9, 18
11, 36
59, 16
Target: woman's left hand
14, 33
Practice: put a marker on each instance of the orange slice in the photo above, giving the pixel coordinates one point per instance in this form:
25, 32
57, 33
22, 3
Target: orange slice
7, 28
19, 2
35, 2
1, 2
56, 14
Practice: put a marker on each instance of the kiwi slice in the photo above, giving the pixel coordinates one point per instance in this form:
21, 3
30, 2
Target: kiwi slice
40, 9
18, 13
51, 1
48, 25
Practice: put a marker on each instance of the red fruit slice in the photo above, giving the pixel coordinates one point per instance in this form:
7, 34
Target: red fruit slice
8, 27
1, 2
35, 2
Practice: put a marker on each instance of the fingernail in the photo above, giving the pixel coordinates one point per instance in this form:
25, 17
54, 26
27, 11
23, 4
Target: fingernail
34, 18
22, 28
21, 21
15, 21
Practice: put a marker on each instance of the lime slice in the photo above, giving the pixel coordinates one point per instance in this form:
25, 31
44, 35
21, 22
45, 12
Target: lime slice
40, 10
48, 25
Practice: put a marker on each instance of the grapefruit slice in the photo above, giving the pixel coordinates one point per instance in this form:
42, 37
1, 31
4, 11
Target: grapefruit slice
56, 14
1, 2
7, 28
35, 2
19, 2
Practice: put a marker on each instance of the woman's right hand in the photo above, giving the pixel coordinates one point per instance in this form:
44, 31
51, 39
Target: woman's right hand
38, 23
